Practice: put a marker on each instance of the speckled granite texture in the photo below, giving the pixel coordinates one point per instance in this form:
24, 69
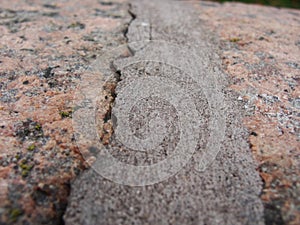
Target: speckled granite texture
261, 52
44, 47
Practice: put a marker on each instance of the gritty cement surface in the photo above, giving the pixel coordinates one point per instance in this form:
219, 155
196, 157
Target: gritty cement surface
227, 192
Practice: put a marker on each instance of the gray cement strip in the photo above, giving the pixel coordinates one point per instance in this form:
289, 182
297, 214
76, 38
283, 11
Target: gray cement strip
180, 155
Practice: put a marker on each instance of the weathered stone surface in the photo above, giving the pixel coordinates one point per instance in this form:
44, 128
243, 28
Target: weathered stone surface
261, 52
44, 48
228, 191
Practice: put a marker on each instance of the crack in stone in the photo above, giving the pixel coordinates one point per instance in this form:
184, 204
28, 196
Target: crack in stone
111, 90
108, 119
133, 17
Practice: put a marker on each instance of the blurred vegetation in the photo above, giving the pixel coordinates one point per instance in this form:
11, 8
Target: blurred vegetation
277, 3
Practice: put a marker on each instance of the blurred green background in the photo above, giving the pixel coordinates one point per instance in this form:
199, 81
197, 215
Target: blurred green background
277, 3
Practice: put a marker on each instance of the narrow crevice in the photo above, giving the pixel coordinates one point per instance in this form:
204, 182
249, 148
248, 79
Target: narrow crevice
110, 89
117, 73
133, 17
108, 120
150, 32
113, 67
150, 29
